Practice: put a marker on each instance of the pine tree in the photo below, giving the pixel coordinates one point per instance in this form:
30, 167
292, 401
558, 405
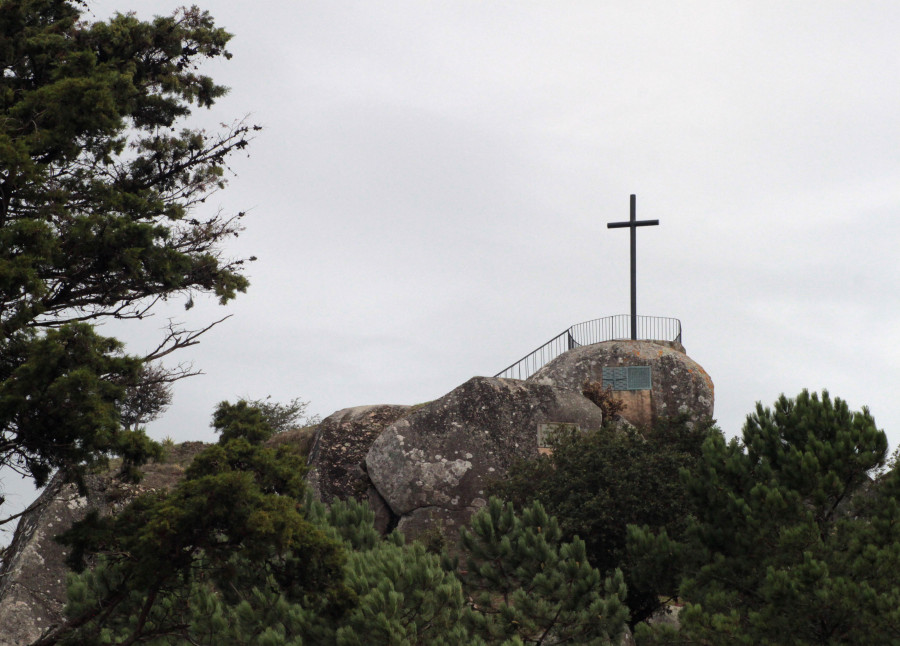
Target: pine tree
528, 585
233, 556
779, 551
404, 598
228, 549
596, 483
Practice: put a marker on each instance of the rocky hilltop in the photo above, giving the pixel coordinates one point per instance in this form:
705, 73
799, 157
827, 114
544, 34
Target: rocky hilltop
419, 467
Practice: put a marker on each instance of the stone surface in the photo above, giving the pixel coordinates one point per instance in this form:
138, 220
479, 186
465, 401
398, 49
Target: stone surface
425, 520
434, 463
338, 453
337, 458
33, 579
33, 572
421, 468
679, 384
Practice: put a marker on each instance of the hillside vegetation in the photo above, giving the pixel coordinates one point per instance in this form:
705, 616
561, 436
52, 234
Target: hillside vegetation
781, 536
789, 534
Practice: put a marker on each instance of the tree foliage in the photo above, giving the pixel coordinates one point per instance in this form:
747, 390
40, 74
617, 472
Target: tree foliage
790, 541
404, 596
59, 402
784, 539
598, 482
284, 416
530, 586
99, 180
233, 539
238, 553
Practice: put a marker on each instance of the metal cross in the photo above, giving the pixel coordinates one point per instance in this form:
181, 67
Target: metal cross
633, 224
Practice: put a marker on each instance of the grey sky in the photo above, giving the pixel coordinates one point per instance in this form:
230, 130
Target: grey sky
429, 198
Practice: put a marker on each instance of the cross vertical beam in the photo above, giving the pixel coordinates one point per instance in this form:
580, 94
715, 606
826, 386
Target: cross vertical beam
633, 224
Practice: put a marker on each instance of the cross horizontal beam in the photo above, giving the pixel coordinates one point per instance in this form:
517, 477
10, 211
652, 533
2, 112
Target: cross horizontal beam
630, 223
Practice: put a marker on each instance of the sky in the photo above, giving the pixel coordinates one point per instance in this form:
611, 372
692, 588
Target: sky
428, 198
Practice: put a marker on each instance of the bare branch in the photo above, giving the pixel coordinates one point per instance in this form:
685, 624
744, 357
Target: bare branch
177, 338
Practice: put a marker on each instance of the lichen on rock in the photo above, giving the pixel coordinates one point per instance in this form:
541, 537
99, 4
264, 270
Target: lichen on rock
33, 571
337, 458
441, 456
679, 384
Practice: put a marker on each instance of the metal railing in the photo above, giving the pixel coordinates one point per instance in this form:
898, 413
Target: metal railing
609, 328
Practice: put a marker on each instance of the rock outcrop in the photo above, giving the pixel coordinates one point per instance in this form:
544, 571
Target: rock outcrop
432, 466
338, 453
679, 384
421, 468
33, 572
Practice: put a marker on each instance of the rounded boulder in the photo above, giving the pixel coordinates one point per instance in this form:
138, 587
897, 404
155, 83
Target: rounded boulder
678, 384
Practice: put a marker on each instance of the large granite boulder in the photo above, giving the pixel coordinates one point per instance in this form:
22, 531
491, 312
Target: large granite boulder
432, 466
338, 454
337, 458
33, 582
33, 571
678, 383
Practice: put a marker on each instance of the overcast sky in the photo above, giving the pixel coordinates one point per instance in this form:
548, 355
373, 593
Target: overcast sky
429, 197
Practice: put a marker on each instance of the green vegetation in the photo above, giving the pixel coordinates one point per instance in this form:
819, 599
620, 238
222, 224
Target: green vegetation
790, 542
599, 482
177, 565
237, 554
780, 537
284, 417
98, 184
526, 582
